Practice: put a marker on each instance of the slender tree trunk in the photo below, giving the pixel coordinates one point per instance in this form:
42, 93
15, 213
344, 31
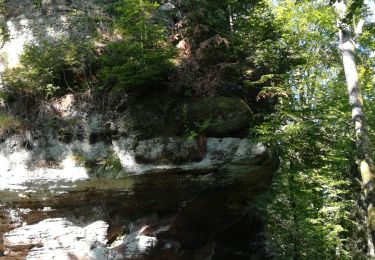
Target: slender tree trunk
364, 152
230, 18
292, 202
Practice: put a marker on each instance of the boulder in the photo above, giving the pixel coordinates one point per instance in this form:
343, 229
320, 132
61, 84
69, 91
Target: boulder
57, 237
213, 116
219, 116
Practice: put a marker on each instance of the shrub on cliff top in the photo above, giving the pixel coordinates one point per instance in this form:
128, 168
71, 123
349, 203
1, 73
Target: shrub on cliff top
142, 58
48, 69
130, 67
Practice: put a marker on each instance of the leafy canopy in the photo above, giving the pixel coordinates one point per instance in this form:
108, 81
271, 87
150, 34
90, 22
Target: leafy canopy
142, 57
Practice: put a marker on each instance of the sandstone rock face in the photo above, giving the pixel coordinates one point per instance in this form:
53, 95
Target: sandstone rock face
108, 192
166, 178
57, 238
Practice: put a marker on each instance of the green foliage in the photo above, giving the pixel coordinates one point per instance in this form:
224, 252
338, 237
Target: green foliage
110, 166
50, 69
227, 45
367, 76
314, 208
138, 21
130, 67
3, 28
37, 3
191, 133
142, 59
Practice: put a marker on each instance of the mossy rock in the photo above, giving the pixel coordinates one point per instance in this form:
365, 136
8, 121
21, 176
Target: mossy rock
147, 118
222, 115
214, 116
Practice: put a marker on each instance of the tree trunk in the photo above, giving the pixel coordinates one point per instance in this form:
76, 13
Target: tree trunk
363, 157
295, 254
230, 18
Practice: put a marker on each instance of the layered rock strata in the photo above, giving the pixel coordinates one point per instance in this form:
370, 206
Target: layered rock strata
115, 189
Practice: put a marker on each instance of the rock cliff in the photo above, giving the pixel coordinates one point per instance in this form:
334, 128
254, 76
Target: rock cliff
159, 178
134, 185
